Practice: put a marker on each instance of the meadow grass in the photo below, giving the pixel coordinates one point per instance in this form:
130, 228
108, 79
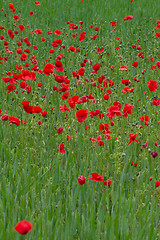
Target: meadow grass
38, 183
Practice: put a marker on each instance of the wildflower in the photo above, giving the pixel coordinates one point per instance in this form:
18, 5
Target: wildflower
81, 180
23, 227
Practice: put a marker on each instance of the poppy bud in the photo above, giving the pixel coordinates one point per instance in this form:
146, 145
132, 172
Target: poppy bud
154, 154
81, 180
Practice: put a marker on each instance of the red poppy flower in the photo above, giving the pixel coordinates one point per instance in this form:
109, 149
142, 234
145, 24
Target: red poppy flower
37, 109
37, 2
128, 108
51, 51
38, 31
10, 33
82, 37
96, 177
152, 85
14, 120
81, 115
16, 17
64, 108
57, 32
123, 68
154, 68
68, 137
11, 87
73, 101
39, 84
125, 81
145, 119
59, 66
81, 180
48, 69
23, 57
65, 95
113, 23
27, 108
129, 17
56, 43
4, 117
61, 148
141, 54
23, 227
106, 96
158, 34
127, 89
60, 130
114, 110
135, 64
105, 183
44, 113
81, 72
71, 49
133, 138
104, 127
100, 49
154, 154
157, 184
156, 102
96, 67
21, 27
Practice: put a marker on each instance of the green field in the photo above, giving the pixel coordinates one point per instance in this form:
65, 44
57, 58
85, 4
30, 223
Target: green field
38, 181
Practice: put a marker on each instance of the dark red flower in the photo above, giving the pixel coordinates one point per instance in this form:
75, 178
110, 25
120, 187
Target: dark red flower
81, 180
60, 129
23, 227
96, 177
154, 154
